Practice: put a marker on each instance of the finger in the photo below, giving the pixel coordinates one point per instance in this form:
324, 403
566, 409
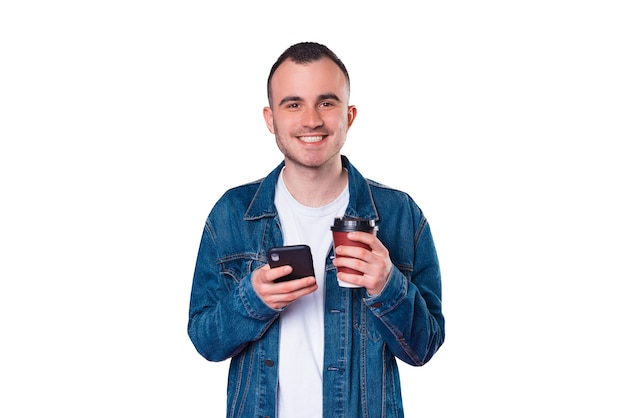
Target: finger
352, 251
264, 277
272, 274
292, 286
351, 262
363, 237
284, 293
355, 279
375, 245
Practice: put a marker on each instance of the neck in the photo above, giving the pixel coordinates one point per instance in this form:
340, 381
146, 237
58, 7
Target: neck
315, 187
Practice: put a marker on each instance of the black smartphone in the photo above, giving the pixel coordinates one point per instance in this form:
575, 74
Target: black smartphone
297, 256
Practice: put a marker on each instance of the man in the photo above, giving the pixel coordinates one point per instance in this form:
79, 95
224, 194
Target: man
308, 347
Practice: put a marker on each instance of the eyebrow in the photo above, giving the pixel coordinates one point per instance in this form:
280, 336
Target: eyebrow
325, 96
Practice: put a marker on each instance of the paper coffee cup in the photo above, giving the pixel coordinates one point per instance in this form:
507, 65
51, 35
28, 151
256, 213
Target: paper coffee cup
340, 229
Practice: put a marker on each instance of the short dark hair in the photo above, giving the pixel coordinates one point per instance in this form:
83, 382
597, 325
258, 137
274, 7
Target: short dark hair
304, 53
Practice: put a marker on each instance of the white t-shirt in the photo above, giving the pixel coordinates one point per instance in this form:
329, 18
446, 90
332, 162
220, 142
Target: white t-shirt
301, 357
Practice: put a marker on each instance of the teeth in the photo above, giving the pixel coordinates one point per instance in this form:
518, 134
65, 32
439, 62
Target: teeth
311, 138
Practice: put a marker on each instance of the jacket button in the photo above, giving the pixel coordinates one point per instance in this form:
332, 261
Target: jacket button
377, 305
269, 363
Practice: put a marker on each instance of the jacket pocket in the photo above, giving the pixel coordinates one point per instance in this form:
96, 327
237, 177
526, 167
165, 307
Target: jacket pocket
238, 266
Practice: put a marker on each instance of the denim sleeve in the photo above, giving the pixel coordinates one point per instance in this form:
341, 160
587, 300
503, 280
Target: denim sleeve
409, 311
224, 314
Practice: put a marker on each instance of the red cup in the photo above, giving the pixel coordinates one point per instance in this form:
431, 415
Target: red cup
341, 228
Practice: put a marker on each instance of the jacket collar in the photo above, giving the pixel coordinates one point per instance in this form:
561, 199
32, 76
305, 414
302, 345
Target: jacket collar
361, 204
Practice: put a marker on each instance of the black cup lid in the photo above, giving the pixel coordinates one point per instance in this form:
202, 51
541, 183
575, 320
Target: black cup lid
353, 224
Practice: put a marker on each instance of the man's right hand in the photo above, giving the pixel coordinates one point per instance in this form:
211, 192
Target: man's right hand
279, 295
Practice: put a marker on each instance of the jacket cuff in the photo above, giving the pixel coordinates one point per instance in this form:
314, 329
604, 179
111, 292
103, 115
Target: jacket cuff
252, 302
392, 294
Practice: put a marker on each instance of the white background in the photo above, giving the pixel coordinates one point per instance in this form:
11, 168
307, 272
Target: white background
121, 123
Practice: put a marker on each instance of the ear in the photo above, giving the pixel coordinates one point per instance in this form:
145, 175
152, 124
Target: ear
268, 115
351, 115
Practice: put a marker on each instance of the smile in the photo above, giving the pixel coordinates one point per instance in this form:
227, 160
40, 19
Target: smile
311, 139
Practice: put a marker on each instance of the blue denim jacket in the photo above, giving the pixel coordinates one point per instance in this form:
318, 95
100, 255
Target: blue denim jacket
363, 334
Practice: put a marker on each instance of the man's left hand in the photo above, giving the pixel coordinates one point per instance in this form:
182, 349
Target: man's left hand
375, 264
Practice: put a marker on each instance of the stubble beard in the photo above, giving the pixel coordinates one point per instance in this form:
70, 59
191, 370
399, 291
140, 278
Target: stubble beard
282, 142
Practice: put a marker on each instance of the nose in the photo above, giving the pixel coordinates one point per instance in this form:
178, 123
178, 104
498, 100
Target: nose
311, 118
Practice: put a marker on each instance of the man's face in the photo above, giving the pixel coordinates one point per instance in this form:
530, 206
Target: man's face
309, 116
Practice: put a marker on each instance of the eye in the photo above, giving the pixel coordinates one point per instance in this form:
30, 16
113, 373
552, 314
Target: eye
326, 104
293, 106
